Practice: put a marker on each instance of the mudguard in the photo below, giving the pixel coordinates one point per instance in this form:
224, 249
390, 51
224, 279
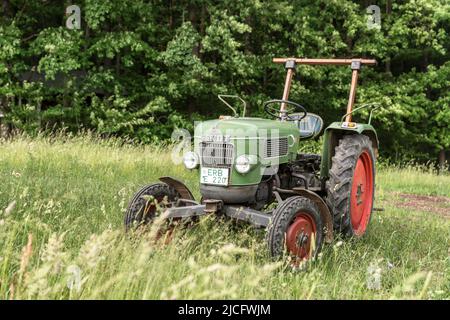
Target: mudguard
334, 132
179, 186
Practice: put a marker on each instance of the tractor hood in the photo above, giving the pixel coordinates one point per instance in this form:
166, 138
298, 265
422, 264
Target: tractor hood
245, 128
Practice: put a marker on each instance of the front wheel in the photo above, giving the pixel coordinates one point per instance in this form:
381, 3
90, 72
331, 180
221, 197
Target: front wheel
145, 205
296, 227
350, 189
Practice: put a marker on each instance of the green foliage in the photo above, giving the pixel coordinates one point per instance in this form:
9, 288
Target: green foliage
141, 69
9, 46
60, 51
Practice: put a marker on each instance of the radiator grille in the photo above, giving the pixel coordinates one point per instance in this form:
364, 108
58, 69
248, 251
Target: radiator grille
216, 155
276, 147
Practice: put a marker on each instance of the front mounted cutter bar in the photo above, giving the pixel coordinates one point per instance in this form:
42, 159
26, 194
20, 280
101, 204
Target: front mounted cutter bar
256, 218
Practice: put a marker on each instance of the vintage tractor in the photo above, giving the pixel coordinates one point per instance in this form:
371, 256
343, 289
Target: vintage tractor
250, 170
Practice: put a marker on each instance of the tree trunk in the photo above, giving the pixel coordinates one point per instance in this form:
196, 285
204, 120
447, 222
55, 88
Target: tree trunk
388, 59
202, 31
39, 114
192, 12
442, 160
388, 7
6, 9
425, 60
388, 65
118, 56
3, 129
170, 15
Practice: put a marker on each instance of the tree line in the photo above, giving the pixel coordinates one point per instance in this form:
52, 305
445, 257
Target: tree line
142, 68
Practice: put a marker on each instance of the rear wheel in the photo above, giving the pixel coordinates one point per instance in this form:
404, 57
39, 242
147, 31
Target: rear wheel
295, 227
350, 189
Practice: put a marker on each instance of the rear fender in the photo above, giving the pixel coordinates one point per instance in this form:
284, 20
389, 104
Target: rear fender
333, 133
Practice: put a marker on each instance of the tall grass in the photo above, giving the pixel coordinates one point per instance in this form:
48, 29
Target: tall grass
61, 235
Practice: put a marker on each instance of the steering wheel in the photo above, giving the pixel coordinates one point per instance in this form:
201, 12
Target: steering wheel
275, 112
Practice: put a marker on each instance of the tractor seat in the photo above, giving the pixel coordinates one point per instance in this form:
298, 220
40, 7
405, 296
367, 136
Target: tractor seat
310, 126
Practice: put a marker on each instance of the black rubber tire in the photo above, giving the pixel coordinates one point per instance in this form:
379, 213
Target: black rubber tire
283, 216
134, 215
338, 186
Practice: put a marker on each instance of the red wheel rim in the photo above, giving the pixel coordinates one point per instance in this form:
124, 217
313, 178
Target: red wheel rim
362, 193
300, 234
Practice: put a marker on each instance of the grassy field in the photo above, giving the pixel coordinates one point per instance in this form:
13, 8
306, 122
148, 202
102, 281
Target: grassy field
61, 235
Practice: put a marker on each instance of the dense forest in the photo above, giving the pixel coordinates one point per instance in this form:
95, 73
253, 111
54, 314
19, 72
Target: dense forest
142, 68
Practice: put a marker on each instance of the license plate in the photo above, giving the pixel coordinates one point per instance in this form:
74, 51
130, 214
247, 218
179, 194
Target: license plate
218, 176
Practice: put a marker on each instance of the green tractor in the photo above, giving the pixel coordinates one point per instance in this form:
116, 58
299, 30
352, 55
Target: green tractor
250, 170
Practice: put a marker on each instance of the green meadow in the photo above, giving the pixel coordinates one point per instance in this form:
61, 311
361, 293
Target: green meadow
62, 203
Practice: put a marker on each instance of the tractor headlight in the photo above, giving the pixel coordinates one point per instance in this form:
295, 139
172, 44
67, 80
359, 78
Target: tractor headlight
190, 160
243, 164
